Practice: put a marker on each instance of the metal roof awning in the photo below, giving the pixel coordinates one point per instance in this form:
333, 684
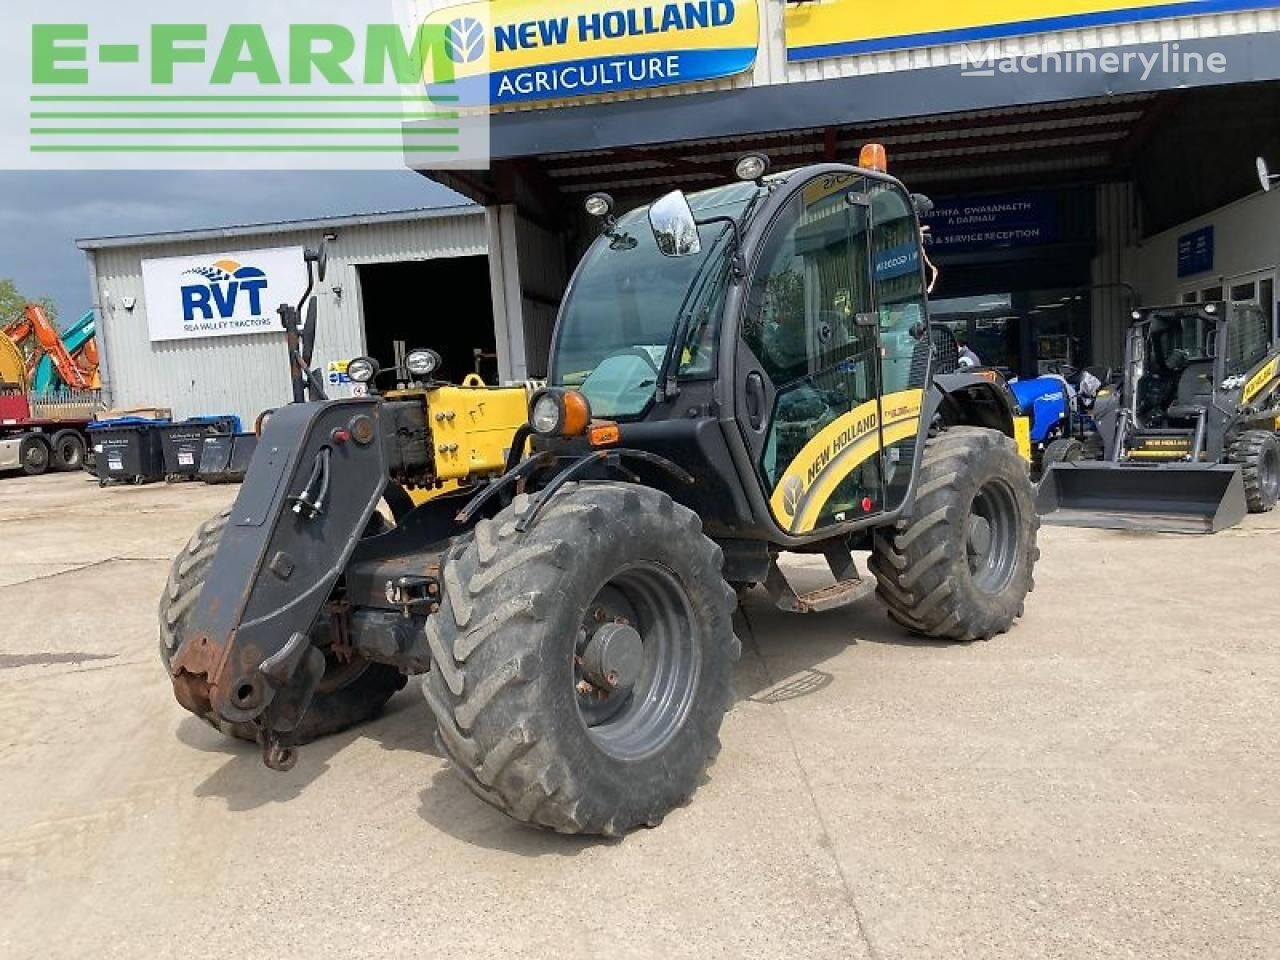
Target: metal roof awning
282, 226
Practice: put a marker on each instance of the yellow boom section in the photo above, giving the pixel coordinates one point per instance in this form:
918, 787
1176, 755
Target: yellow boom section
472, 428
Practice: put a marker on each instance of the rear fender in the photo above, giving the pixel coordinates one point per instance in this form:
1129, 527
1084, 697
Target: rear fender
277, 563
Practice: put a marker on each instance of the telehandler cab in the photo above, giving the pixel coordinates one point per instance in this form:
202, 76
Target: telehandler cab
734, 375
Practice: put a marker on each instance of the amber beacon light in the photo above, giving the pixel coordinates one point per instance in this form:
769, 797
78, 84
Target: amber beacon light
874, 157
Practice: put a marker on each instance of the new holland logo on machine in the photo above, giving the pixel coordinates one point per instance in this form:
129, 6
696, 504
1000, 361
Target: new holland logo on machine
218, 292
510, 51
841, 447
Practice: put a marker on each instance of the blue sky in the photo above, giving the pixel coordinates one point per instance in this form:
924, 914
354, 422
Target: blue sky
42, 214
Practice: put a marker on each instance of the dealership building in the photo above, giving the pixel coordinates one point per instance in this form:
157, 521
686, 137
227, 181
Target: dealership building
189, 320
1083, 156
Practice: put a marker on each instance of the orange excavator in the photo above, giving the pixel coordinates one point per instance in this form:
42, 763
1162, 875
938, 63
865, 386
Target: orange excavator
72, 355
48, 392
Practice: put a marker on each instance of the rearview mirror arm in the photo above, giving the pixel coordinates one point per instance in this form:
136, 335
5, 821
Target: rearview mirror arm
739, 264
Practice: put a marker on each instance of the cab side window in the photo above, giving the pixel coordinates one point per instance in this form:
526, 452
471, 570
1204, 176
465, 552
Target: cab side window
1248, 339
811, 284
899, 287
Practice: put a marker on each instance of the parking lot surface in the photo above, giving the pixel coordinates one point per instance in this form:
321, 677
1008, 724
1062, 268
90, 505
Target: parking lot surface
1100, 782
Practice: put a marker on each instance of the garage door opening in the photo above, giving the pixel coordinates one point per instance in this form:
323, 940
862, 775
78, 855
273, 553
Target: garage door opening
443, 304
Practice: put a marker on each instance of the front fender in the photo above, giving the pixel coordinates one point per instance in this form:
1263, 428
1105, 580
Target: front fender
973, 399
278, 561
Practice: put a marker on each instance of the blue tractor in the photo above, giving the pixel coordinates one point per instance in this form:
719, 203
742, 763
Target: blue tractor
1060, 407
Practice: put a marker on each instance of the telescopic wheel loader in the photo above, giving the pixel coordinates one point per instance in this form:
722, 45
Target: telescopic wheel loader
733, 375
1190, 443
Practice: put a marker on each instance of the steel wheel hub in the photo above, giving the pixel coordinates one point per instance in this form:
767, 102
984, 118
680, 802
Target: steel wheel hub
636, 661
992, 535
613, 656
979, 535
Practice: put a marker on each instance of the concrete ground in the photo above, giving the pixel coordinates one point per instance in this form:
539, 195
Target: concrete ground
1101, 782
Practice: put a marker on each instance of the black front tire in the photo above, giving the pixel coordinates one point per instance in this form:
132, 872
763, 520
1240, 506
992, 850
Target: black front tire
505, 650
1062, 450
961, 566
35, 455
1258, 453
349, 693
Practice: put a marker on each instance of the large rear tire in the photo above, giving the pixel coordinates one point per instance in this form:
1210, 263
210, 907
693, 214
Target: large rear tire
68, 450
961, 567
351, 692
1258, 453
612, 579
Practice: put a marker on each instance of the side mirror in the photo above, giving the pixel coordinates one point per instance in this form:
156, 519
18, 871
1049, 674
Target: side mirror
322, 260
923, 205
674, 228
1265, 176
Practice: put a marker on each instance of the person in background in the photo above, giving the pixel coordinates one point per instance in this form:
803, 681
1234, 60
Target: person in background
967, 357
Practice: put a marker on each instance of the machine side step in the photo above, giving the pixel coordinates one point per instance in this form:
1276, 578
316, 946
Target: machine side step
848, 588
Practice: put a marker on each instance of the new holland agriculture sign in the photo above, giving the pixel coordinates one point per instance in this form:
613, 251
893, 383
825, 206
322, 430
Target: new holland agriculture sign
837, 28
188, 298
516, 51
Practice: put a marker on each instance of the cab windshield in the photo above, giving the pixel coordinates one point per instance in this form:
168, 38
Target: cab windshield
626, 300
1176, 338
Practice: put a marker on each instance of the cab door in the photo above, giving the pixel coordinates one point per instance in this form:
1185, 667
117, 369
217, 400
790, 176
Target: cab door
905, 345
811, 361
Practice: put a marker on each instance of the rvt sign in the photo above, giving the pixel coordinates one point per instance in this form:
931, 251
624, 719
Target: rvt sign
217, 296
238, 293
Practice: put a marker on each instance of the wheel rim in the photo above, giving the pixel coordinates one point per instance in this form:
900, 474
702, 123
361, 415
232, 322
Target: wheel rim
69, 452
991, 536
640, 628
36, 456
1269, 473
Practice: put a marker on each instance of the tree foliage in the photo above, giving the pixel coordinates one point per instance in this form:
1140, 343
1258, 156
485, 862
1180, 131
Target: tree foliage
12, 300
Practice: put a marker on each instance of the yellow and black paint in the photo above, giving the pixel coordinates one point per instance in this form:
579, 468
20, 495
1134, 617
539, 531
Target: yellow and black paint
838, 450
1264, 377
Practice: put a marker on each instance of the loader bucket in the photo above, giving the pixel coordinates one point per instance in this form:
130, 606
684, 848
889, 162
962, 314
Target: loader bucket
1159, 498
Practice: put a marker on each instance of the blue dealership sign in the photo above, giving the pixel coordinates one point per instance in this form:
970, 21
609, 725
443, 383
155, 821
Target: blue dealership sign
517, 51
1000, 220
1195, 252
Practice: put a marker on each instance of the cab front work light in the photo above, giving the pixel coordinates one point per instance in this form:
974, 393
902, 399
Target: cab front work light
559, 413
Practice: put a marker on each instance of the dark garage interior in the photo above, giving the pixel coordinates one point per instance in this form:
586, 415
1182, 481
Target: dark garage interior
444, 304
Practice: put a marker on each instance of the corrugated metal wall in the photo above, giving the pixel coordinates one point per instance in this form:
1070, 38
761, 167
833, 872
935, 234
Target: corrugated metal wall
246, 374
543, 276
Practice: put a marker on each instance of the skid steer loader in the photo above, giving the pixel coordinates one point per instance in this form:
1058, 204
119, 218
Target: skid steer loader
1190, 442
733, 375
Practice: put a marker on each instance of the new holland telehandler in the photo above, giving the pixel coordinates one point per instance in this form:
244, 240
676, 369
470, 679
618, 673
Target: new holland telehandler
734, 375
